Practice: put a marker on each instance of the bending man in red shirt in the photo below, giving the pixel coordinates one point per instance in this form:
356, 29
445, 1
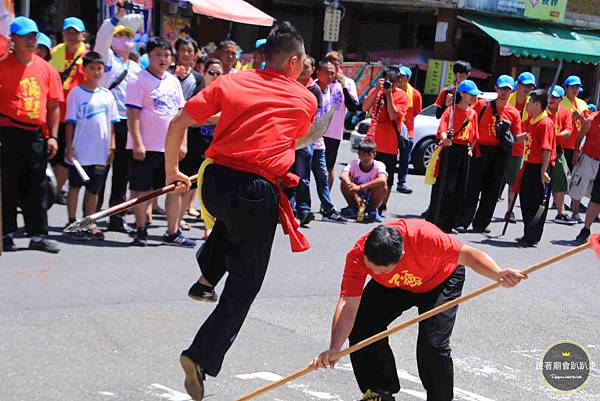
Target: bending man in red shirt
263, 112
412, 263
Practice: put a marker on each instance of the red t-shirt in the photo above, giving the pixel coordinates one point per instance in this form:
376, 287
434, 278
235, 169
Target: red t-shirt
25, 91
263, 112
430, 257
487, 124
569, 143
469, 133
416, 108
591, 147
441, 99
541, 136
76, 78
385, 135
519, 148
562, 121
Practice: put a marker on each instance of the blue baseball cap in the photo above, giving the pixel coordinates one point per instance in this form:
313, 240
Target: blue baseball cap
572, 81
593, 108
407, 72
260, 43
526, 78
75, 23
468, 86
23, 26
44, 40
557, 91
505, 81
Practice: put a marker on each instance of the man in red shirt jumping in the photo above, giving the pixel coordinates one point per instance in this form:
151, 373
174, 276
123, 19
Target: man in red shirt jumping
412, 264
263, 113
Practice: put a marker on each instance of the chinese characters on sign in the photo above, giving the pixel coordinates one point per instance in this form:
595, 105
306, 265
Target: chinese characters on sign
538, 9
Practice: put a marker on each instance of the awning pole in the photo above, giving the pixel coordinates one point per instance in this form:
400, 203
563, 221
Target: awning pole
25, 8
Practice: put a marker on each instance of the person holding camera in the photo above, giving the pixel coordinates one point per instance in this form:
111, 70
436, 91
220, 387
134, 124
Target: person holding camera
497, 119
388, 105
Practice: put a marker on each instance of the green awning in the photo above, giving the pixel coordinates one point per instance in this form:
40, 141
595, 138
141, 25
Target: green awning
536, 40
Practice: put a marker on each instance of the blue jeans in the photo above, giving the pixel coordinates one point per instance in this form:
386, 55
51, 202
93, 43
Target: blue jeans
319, 169
405, 150
302, 166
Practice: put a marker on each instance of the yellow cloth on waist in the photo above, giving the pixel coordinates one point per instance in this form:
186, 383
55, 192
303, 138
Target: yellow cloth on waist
432, 168
209, 219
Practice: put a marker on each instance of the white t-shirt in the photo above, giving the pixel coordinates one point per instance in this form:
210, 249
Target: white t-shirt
336, 128
359, 177
93, 113
159, 100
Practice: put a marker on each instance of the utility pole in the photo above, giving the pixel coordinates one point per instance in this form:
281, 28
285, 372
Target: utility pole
25, 8
331, 26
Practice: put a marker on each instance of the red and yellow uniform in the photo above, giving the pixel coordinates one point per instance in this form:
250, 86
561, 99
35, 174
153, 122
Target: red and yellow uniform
562, 121
61, 60
581, 106
430, 257
487, 125
541, 137
519, 147
25, 91
415, 106
385, 135
462, 136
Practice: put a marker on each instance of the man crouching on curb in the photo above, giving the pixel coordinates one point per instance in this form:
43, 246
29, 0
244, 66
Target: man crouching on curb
412, 263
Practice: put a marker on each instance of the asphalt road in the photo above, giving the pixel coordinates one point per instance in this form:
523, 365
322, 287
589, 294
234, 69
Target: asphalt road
105, 321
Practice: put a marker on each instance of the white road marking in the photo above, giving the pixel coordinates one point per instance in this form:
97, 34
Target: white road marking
169, 394
107, 393
271, 377
268, 376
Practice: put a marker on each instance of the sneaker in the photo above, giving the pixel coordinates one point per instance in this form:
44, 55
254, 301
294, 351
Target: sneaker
481, 230
382, 209
563, 219
583, 235
334, 217
461, 229
525, 243
377, 396
201, 292
349, 212
178, 239
404, 189
306, 217
194, 378
576, 218
44, 245
372, 217
140, 237
8, 245
120, 226
510, 217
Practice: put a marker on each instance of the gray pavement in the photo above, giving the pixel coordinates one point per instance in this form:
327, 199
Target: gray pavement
105, 321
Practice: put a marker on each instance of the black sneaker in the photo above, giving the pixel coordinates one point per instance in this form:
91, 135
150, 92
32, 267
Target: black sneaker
510, 217
564, 219
44, 245
8, 245
377, 396
194, 378
306, 217
120, 227
461, 229
140, 237
525, 243
404, 189
349, 212
204, 293
583, 235
334, 217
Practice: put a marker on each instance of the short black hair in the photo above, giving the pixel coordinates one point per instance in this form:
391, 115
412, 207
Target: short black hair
322, 64
186, 40
158, 42
283, 39
92, 57
367, 146
312, 61
384, 246
391, 73
212, 61
539, 96
461, 66
225, 43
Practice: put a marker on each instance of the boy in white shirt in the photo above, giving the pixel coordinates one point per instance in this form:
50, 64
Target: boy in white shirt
89, 134
364, 184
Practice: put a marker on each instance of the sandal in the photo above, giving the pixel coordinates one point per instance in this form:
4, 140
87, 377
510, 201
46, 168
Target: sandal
184, 226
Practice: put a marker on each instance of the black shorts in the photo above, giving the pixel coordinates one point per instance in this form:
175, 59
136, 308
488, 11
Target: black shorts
148, 174
391, 165
196, 146
96, 174
596, 189
331, 151
59, 158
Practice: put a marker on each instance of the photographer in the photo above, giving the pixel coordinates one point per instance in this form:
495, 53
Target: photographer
388, 105
496, 118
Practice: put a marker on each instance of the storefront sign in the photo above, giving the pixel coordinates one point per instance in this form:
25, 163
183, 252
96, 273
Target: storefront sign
439, 74
538, 9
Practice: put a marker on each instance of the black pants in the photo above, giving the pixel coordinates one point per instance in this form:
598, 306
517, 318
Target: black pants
23, 155
485, 179
569, 156
246, 210
374, 366
450, 187
531, 196
121, 168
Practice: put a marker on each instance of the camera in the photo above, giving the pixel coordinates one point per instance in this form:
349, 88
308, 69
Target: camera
387, 84
128, 5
